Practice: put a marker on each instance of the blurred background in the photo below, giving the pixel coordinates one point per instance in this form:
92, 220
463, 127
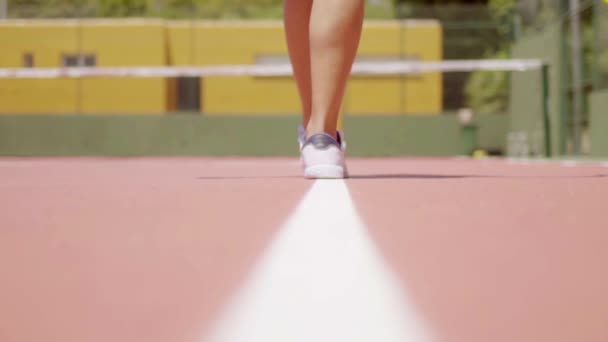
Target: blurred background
436, 113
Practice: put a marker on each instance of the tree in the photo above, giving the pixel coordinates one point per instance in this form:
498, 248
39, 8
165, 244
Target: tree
487, 91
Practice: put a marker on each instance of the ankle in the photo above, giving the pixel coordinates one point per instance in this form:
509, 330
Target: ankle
312, 130
333, 135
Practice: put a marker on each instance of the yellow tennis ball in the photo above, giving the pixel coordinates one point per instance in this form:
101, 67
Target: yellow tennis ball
478, 154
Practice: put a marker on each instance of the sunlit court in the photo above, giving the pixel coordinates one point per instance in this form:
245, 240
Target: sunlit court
201, 171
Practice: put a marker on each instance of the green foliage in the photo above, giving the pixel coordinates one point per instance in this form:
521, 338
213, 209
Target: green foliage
380, 9
200, 9
122, 8
223, 9
46, 8
179, 9
537, 14
502, 11
603, 61
487, 91
471, 30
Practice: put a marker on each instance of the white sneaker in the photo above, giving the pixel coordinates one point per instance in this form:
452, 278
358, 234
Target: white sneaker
322, 156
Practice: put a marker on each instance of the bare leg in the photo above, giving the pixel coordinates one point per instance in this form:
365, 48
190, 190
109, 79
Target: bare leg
335, 30
296, 20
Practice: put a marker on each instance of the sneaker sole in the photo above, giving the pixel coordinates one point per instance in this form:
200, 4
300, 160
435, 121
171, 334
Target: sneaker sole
325, 171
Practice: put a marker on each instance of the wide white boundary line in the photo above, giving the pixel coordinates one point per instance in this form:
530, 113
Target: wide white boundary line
277, 70
322, 280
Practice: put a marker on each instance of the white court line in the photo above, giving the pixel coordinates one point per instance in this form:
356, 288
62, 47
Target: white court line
569, 163
322, 280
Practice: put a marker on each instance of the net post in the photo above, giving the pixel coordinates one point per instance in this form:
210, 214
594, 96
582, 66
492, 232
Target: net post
595, 20
546, 119
577, 74
3, 9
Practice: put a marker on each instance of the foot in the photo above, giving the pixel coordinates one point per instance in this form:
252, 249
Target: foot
323, 156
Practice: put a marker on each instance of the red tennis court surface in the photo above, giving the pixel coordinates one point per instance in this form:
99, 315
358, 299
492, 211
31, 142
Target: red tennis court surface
154, 249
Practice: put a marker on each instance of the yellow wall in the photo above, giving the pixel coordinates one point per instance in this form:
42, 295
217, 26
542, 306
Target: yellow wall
46, 42
242, 42
217, 43
422, 94
130, 43
135, 42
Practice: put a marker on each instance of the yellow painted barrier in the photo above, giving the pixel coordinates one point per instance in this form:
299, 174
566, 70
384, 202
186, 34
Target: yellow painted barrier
43, 42
130, 43
244, 43
419, 40
260, 42
135, 42
54, 43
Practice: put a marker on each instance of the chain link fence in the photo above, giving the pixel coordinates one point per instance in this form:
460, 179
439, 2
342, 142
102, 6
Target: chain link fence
600, 41
536, 15
586, 51
471, 32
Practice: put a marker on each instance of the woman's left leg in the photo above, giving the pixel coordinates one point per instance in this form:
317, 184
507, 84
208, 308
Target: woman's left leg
296, 20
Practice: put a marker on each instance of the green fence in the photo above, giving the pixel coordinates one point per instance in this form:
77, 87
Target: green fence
600, 44
526, 101
470, 31
598, 118
68, 135
183, 9
543, 30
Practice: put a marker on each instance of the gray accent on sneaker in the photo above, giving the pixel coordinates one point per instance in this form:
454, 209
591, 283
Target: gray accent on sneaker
301, 135
339, 139
322, 141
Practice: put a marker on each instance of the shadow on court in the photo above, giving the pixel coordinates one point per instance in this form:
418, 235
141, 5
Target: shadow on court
248, 177
410, 176
429, 176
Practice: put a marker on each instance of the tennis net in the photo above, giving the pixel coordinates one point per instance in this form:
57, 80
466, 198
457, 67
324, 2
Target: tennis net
514, 92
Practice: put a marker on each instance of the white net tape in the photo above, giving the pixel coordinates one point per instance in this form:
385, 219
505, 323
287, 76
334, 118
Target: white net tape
279, 70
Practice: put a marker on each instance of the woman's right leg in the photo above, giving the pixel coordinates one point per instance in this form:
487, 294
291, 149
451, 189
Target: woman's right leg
335, 31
